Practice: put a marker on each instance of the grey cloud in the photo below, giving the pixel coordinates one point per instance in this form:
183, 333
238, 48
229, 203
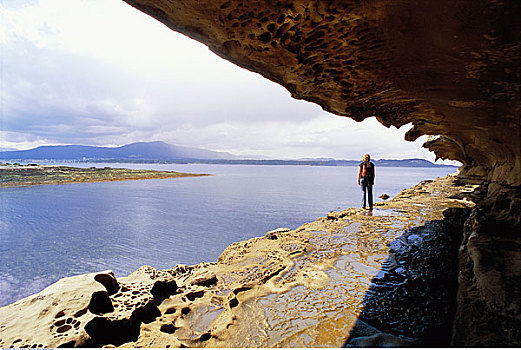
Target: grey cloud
61, 96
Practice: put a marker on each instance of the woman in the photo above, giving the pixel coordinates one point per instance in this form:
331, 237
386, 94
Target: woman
366, 175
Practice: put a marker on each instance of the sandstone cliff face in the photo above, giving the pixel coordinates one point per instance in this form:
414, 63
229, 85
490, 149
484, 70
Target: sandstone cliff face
451, 68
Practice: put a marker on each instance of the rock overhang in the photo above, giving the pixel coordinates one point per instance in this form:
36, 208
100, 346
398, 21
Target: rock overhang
451, 68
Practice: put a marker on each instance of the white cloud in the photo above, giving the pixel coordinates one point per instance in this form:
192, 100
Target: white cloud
100, 72
325, 135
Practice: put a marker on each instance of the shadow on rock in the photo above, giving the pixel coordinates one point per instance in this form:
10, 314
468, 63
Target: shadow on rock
412, 300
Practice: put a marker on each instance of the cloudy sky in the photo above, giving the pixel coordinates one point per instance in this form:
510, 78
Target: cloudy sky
99, 72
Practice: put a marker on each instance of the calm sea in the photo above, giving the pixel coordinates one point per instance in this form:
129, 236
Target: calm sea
54, 231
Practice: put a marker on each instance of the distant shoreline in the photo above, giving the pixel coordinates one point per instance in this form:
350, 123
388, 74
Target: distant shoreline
16, 175
162, 152
406, 163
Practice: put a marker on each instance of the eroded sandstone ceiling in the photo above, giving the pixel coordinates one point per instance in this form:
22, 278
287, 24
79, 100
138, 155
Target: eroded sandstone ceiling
452, 68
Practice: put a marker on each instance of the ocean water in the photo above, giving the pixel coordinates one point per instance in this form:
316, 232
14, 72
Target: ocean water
54, 231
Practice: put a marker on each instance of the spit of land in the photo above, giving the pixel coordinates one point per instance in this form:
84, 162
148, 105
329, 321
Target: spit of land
34, 174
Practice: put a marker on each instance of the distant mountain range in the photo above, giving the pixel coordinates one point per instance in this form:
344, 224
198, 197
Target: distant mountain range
135, 151
158, 151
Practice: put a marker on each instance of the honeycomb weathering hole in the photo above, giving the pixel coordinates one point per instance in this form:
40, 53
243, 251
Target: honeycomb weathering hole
115, 332
100, 303
108, 280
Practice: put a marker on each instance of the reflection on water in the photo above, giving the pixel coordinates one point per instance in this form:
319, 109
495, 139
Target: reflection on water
54, 231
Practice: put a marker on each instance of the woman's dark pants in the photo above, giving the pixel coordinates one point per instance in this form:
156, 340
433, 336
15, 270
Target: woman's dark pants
367, 187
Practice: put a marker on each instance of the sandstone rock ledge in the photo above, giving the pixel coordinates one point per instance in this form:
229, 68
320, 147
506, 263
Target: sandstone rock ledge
352, 278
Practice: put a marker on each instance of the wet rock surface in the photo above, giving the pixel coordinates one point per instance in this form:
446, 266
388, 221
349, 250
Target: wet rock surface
352, 278
414, 294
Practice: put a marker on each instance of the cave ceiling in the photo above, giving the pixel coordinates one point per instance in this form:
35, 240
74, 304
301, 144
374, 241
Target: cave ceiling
451, 68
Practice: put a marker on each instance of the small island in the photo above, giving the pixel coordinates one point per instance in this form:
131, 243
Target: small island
33, 174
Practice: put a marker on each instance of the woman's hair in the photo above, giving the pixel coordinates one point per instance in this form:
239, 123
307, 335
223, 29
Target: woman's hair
366, 157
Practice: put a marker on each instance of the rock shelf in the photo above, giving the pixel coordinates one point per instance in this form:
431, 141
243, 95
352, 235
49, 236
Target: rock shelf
353, 278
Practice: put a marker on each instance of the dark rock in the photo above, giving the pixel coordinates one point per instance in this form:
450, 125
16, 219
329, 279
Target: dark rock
104, 331
146, 314
100, 303
109, 282
194, 295
168, 328
163, 289
234, 302
206, 280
